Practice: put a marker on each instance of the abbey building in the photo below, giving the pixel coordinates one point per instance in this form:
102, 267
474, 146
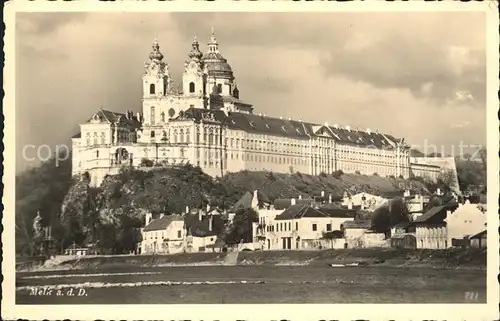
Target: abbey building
203, 121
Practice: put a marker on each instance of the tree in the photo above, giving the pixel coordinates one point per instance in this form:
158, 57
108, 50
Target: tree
242, 226
386, 216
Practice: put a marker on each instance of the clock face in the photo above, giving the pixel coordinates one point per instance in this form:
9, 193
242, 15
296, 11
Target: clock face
171, 112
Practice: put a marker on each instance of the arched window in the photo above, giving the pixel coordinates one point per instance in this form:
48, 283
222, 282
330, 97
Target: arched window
188, 138
96, 154
191, 87
162, 116
219, 88
181, 133
175, 135
152, 89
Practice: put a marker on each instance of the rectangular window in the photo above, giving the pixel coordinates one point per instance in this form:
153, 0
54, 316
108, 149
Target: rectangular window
152, 134
296, 226
328, 227
179, 234
152, 115
314, 227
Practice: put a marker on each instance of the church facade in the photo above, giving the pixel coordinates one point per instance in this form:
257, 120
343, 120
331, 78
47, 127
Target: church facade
205, 123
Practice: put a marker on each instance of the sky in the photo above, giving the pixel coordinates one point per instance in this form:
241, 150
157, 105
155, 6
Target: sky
421, 76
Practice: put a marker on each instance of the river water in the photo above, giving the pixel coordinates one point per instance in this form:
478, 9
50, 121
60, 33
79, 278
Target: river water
251, 284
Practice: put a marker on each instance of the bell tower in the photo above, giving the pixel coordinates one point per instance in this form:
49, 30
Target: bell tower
156, 78
193, 78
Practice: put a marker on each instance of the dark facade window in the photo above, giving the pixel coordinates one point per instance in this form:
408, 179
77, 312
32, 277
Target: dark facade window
152, 134
219, 88
314, 227
191, 87
328, 227
152, 89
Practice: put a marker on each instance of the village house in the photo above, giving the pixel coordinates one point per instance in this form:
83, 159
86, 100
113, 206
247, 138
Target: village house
163, 235
358, 234
467, 220
363, 201
430, 228
202, 231
303, 227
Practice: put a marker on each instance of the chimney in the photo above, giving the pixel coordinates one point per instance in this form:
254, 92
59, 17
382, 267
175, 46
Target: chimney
255, 200
210, 221
149, 218
330, 198
322, 193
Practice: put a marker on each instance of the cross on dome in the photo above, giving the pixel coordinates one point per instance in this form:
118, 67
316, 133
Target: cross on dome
213, 46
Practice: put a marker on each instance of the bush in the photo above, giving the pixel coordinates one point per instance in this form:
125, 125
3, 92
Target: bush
147, 162
322, 174
357, 172
338, 174
390, 176
376, 174
401, 176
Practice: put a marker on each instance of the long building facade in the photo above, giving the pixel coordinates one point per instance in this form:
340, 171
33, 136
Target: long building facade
204, 122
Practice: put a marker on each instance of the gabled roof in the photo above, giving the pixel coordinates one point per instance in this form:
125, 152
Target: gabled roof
198, 228
284, 203
300, 211
434, 215
116, 118
338, 212
479, 235
244, 202
162, 223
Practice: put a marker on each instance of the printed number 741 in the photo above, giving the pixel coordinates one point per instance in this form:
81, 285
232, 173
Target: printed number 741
471, 296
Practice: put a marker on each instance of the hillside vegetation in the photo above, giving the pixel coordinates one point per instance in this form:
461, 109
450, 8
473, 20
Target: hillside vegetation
110, 215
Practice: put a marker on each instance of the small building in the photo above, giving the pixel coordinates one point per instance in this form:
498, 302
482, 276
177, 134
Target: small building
363, 201
478, 240
304, 227
163, 235
202, 231
430, 228
354, 231
466, 220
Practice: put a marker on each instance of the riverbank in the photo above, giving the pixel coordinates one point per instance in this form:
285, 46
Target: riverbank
455, 258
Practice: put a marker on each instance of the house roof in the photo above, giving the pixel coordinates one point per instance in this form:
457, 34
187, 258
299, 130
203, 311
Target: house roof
479, 235
261, 124
162, 223
112, 117
198, 228
392, 194
298, 211
361, 224
244, 202
434, 215
338, 212
284, 203
77, 135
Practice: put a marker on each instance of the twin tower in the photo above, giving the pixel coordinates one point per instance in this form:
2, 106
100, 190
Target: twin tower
205, 75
